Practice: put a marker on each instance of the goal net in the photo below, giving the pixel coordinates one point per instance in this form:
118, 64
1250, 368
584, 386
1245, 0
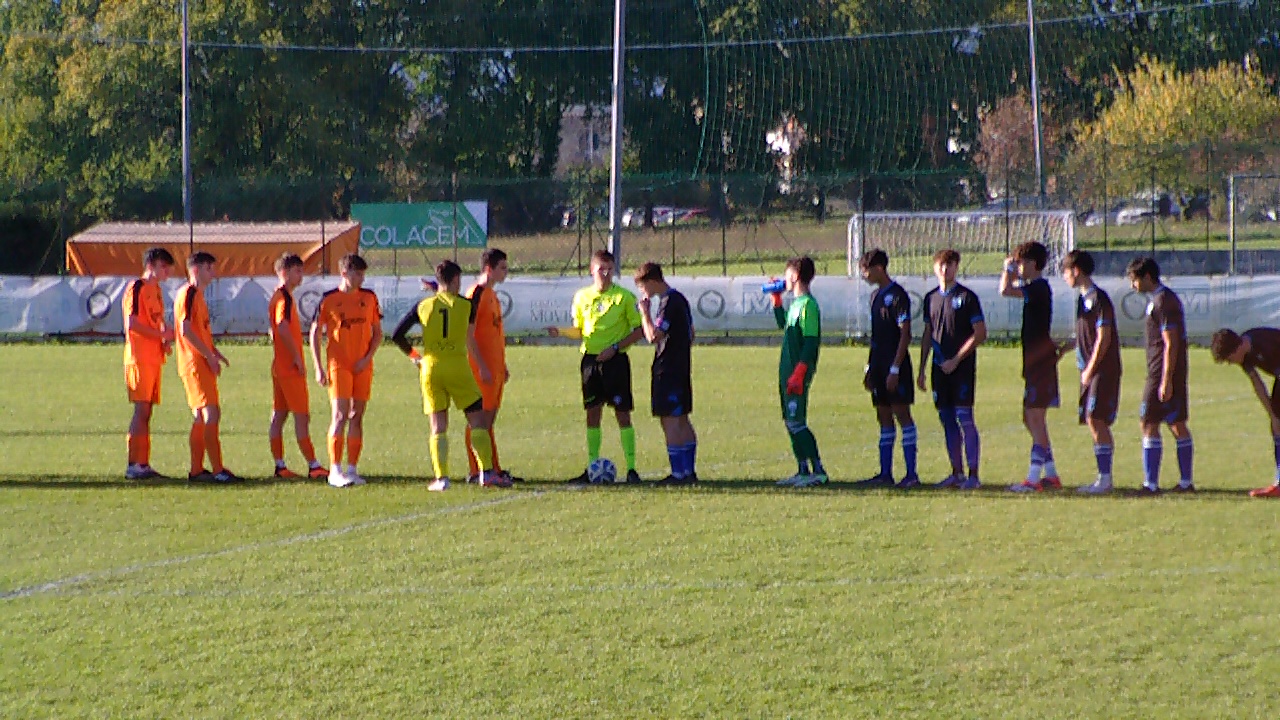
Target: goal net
982, 237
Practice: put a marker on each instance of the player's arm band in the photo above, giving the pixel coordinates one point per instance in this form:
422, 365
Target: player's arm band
894, 369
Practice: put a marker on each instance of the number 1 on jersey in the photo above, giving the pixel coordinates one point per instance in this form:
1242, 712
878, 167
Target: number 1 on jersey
444, 330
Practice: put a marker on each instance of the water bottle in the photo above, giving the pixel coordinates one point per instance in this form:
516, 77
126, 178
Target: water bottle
774, 286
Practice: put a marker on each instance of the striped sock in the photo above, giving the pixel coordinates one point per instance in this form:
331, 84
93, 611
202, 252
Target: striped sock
888, 435
909, 439
1186, 453
1152, 452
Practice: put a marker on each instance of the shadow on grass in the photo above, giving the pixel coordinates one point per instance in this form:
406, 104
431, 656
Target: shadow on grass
988, 491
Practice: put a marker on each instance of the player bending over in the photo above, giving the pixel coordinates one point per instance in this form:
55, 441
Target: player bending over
1098, 358
1022, 279
289, 372
801, 326
349, 320
199, 365
1257, 350
607, 320
1164, 397
448, 323
671, 391
147, 340
954, 328
491, 343
887, 364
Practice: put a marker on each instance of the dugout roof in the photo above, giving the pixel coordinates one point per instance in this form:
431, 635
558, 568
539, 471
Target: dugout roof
242, 249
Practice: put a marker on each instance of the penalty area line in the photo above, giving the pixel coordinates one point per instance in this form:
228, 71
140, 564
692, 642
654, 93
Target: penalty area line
74, 580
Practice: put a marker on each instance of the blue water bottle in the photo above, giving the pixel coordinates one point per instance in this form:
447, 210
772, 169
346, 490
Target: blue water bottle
774, 286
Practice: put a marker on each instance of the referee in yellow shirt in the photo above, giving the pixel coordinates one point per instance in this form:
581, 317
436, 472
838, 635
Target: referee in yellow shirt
606, 318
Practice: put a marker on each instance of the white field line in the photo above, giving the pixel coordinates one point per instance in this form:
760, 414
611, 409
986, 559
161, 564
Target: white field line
60, 584
701, 586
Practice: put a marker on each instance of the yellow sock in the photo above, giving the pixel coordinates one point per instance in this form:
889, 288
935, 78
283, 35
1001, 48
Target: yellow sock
483, 450
439, 455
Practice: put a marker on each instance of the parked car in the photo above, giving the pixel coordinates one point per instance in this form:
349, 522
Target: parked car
662, 215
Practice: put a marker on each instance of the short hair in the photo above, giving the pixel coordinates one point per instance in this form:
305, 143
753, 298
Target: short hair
1036, 252
288, 261
352, 261
1143, 266
157, 255
874, 258
803, 266
491, 257
1080, 260
946, 256
649, 271
200, 257
602, 256
1224, 344
447, 271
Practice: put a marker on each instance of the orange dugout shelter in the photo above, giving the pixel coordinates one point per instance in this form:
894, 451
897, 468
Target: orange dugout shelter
242, 249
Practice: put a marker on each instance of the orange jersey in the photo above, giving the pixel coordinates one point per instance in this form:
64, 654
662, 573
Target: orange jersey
285, 310
490, 336
145, 304
190, 307
349, 319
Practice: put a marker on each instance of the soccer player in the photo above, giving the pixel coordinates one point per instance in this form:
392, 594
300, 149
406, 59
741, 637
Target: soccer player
147, 340
954, 327
349, 319
887, 364
491, 346
606, 317
289, 371
1098, 357
1022, 279
199, 365
1164, 397
448, 323
801, 326
1254, 350
671, 391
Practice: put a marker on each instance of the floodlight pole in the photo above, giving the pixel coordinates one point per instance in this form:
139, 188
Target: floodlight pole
1035, 102
615, 135
186, 136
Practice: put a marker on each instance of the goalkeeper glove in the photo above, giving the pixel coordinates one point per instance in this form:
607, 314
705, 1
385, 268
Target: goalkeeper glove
795, 383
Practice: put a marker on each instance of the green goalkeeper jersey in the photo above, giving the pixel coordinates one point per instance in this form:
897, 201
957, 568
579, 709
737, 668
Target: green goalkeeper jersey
801, 335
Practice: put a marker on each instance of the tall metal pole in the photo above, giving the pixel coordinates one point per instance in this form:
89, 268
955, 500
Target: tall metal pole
186, 136
1035, 101
615, 136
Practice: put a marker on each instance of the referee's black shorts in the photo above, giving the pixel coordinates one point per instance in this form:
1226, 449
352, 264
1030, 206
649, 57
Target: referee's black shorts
607, 383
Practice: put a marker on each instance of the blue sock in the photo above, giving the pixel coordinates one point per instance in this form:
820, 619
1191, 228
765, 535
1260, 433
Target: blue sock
951, 431
673, 455
1103, 455
1050, 468
887, 437
972, 443
1186, 452
1036, 467
909, 438
1276, 441
691, 457
1152, 450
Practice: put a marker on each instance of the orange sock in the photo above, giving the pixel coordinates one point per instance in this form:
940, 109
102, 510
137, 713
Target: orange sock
196, 440
144, 448
131, 441
277, 448
335, 450
354, 445
497, 467
472, 465
213, 445
308, 450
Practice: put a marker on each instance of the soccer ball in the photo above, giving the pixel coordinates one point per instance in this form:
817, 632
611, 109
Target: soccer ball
602, 470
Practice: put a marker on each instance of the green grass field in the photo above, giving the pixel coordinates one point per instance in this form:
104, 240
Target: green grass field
732, 599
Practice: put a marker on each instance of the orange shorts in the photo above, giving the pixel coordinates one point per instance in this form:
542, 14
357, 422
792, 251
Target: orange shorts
201, 386
143, 382
491, 394
346, 384
289, 394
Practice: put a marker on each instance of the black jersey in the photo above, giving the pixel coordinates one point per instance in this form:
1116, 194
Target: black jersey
890, 308
952, 315
675, 319
1094, 311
